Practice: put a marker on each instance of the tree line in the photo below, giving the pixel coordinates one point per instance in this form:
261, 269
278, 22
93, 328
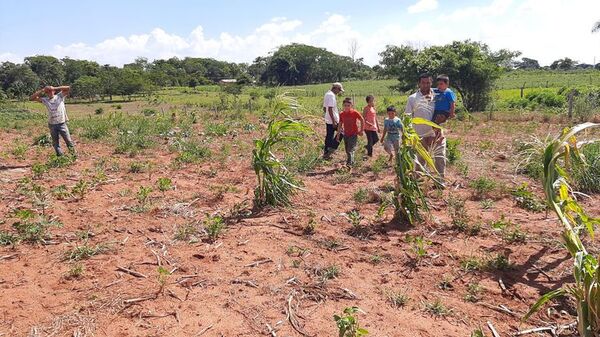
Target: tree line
472, 66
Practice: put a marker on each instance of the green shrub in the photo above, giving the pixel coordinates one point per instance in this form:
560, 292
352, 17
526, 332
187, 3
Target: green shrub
213, 129
452, 151
191, 151
484, 187
42, 140
526, 199
546, 98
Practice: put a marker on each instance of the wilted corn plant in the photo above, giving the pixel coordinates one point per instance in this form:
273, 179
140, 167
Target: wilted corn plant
409, 199
275, 183
586, 290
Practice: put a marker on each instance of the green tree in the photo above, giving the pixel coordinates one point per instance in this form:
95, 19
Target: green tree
472, 66
296, 64
87, 87
527, 63
563, 64
109, 80
48, 68
18, 80
75, 69
131, 82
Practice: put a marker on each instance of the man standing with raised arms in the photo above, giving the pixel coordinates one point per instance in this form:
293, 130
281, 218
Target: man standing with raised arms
57, 115
332, 119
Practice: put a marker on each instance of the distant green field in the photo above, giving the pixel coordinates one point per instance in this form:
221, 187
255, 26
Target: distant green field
548, 79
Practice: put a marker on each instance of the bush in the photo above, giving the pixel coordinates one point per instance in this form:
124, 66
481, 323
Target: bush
587, 177
99, 111
452, 153
546, 98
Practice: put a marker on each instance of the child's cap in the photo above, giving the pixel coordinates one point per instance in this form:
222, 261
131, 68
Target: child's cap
391, 108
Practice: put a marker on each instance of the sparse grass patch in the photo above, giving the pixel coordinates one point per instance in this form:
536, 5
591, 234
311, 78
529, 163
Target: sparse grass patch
525, 199
85, 251
483, 188
76, 271
396, 298
473, 294
328, 273
186, 232
437, 308
7, 238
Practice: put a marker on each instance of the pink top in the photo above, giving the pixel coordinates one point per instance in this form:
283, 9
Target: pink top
370, 118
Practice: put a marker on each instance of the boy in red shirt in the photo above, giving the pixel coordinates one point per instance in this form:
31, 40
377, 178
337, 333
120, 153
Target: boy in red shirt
349, 128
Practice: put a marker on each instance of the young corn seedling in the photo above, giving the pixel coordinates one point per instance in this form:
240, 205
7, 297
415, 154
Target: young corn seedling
80, 189
275, 183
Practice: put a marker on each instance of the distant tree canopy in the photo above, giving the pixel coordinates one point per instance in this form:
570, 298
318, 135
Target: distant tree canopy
471, 66
527, 63
297, 64
563, 64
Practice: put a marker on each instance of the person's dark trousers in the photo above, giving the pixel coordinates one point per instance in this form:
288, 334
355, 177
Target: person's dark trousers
61, 130
372, 139
331, 144
350, 145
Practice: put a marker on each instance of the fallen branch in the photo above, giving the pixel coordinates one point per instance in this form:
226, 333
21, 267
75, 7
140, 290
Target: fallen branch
541, 329
494, 332
291, 317
5, 257
257, 263
245, 282
204, 330
139, 299
502, 309
131, 272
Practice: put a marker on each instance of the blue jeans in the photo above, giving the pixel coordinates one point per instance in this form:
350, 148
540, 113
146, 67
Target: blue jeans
61, 130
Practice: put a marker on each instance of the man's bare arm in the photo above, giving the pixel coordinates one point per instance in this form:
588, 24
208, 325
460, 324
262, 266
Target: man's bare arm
65, 90
36, 96
330, 111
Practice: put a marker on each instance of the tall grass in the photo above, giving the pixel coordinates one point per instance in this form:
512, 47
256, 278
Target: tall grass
275, 183
586, 271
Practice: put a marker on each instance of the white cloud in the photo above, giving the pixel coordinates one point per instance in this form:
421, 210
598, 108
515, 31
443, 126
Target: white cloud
530, 26
423, 6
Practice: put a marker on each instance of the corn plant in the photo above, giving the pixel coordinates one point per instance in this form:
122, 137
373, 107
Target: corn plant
275, 183
560, 198
409, 199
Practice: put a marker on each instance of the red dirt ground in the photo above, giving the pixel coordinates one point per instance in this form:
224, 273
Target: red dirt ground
214, 290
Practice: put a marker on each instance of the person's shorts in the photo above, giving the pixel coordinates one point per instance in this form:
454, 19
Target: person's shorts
444, 113
391, 145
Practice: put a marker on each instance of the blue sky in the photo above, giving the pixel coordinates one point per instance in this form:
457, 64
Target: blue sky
118, 31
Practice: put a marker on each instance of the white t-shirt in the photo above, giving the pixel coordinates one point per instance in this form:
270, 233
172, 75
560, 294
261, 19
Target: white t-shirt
420, 105
329, 102
57, 113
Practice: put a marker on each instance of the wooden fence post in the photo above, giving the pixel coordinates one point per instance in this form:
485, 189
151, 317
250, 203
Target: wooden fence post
570, 98
522, 88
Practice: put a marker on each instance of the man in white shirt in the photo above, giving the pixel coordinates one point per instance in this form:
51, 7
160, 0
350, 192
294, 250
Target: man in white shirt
332, 119
422, 104
57, 115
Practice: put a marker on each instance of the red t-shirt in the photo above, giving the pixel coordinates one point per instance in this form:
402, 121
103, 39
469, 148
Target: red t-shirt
350, 122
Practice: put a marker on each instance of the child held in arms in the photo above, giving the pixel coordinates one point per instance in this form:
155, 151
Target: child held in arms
445, 101
392, 128
349, 119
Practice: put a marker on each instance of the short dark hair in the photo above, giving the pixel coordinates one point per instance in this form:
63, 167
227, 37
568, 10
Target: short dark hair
425, 75
391, 108
348, 100
443, 78
369, 97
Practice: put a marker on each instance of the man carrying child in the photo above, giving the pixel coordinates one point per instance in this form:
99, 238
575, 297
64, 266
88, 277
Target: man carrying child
436, 107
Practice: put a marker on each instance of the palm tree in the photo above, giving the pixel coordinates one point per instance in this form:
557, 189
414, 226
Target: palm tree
596, 27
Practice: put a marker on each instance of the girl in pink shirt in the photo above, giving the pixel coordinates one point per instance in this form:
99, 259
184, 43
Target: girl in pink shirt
371, 124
